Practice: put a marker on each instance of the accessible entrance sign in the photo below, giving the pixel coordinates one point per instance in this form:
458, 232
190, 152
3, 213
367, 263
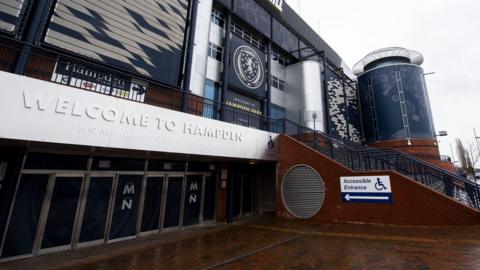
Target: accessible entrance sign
366, 189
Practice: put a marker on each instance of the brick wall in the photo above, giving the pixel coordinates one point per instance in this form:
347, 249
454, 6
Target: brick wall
413, 204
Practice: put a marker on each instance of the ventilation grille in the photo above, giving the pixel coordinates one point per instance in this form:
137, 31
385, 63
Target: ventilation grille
303, 191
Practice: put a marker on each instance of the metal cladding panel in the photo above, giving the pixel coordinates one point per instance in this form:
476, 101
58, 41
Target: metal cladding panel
304, 90
253, 14
11, 12
247, 67
145, 37
343, 107
387, 103
283, 37
303, 191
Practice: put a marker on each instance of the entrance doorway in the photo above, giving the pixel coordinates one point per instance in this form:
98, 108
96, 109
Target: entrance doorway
243, 195
55, 211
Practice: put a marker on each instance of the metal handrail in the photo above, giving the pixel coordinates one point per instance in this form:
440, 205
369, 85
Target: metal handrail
373, 159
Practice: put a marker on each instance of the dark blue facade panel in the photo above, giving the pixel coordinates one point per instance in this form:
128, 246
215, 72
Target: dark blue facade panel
247, 67
367, 114
418, 108
387, 105
283, 37
401, 109
254, 14
144, 37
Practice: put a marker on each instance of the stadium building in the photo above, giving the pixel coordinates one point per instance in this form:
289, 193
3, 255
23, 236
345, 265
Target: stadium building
120, 119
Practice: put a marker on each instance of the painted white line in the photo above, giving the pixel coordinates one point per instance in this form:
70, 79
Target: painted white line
348, 197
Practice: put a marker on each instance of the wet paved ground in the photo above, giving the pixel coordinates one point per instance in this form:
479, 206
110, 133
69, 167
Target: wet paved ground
267, 243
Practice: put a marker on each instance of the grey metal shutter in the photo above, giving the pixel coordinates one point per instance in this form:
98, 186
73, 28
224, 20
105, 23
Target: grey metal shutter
303, 191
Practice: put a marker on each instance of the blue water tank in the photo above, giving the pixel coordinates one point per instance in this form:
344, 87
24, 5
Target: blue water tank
393, 96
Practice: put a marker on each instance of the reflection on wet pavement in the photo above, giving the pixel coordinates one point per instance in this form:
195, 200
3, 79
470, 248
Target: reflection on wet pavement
268, 243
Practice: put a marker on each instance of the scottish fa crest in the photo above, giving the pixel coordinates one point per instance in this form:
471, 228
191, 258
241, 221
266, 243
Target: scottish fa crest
248, 67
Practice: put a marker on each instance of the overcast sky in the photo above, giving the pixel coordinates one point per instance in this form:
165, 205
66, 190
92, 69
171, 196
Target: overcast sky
446, 32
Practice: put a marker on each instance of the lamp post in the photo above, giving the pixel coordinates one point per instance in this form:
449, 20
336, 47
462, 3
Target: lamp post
314, 116
476, 140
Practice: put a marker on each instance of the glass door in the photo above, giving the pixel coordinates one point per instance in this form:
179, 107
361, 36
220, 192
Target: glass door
209, 198
192, 201
152, 204
237, 196
61, 214
125, 210
173, 204
25, 216
248, 194
96, 201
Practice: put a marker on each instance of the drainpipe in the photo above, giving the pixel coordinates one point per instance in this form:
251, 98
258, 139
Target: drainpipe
226, 61
189, 57
40, 17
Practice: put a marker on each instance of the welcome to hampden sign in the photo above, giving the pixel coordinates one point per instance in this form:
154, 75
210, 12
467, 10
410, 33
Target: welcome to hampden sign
36, 110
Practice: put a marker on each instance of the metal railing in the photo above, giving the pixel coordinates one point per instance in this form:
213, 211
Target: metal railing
67, 70
360, 158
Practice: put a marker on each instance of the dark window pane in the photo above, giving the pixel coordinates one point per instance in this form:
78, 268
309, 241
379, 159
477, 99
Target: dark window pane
117, 164
41, 161
152, 203
171, 166
191, 213
25, 216
61, 215
174, 201
237, 195
247, 205
127, 196
96, 209
209, 199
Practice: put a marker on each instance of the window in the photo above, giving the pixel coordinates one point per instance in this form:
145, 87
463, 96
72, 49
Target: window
279, 58
248, 36
217, 18
278, 83
215, 52
277, 113
211, 94
281, 85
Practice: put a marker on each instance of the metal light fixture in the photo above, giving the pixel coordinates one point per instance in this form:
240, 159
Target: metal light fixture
441, 133
314, 116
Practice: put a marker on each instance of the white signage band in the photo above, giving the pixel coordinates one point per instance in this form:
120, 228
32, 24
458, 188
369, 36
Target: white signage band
36, 110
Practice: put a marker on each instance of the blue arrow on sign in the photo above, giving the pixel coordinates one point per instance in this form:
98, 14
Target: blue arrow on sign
367, 197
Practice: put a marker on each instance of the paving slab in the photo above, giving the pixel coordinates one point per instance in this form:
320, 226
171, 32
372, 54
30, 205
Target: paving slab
269, 243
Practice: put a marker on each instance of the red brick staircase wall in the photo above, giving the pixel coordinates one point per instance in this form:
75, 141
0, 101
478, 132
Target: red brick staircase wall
413, 203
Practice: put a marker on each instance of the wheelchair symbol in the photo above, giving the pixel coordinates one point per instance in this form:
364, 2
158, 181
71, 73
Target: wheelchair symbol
379, 185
